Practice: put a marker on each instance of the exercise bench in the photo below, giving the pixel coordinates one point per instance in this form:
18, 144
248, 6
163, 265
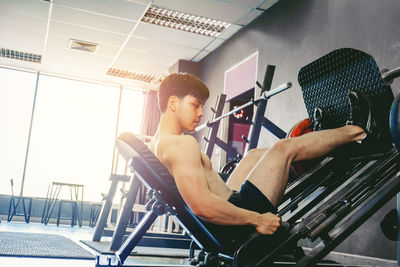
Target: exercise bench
165, 199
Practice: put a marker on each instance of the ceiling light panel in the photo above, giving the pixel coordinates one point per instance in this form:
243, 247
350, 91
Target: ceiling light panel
215, 9
139, 76
184, 21
172, 36
129, 10
20, 55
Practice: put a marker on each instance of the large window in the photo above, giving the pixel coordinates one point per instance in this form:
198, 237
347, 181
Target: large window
17, 91
72, 136
129, 121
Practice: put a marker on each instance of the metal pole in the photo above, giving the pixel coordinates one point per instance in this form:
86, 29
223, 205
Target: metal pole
265, 95
29, 135
389, 75
114, 168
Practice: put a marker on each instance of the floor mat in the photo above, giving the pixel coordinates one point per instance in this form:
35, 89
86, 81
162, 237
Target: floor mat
41, 245
104, 248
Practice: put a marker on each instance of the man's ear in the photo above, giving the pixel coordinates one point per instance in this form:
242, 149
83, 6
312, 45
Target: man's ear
172, 102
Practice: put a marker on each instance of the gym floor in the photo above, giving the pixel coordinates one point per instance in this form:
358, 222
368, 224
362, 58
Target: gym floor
75, 234
85, 233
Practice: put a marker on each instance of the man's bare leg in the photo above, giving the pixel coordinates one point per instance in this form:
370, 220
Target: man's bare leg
271, 171
243, 168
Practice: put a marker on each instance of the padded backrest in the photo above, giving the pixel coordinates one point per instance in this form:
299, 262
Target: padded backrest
154, 175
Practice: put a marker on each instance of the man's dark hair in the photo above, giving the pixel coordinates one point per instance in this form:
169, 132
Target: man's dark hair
181, 85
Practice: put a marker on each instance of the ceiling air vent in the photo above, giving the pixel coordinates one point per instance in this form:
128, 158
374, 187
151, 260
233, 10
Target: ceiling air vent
83, 46
25, 56
184, 21
138, 76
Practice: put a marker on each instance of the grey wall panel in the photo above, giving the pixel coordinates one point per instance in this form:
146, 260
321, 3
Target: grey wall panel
294, 33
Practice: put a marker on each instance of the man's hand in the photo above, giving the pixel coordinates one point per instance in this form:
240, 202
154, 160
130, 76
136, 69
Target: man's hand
268, 223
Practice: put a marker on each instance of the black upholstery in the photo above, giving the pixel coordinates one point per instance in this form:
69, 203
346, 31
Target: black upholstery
154, 175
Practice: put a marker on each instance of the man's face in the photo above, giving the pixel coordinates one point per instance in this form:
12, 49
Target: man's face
189, 112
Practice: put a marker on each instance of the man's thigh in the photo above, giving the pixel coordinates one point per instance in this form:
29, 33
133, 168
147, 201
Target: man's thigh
242, 170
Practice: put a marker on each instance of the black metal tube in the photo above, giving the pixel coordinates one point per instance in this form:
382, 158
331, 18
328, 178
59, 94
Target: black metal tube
390, 75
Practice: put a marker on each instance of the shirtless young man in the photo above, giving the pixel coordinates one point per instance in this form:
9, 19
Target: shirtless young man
261, 176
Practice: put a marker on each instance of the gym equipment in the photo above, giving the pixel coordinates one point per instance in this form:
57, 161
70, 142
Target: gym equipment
390, 225
298, 168
327, 81
106, 207
258, 121
176, 240
265, 96
337, 195
395, 121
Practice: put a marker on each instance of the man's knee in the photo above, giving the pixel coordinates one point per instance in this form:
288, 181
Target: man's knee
285, 148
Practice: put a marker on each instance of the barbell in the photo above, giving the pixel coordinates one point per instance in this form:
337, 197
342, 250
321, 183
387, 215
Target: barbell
266, 95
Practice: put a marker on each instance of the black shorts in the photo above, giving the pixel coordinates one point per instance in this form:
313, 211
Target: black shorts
248, 197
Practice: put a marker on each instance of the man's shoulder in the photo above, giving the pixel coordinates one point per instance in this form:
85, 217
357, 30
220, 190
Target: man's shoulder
180, 145
181, 142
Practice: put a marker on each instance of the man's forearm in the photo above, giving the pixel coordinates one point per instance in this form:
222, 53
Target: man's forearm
219, 211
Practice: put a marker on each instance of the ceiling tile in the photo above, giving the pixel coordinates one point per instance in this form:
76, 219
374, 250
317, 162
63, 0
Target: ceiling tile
231, 30
268, 3
149, 58
27, 7
200, 56
22, 40
22, 33
248, 3
249, 17
86, 34
159, 33
19, 64
59, 45
9, 19
117, 8
89, 20
162, 48
139, 67
225, 11
216, 43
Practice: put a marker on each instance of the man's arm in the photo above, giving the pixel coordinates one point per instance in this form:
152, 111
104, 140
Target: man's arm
184, 160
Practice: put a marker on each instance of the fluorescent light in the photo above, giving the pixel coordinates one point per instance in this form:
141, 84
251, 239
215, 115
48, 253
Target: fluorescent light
184, 22
149, 78
25, 56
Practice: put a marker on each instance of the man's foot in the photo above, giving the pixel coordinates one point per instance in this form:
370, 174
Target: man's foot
362, 115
